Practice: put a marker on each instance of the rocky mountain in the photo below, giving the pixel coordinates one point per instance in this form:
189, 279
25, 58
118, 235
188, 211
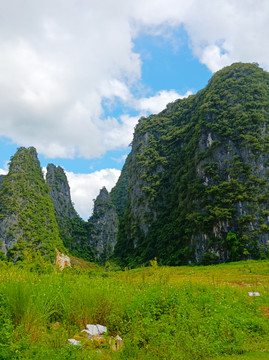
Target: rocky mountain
38, 215
119, 193
60, 192
193, 189
73, 230
27, 217
103, 226
197, 176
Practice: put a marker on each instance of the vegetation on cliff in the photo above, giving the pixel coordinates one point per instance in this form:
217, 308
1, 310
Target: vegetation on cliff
118, 193
1, 180
73, 230
193, 189
103, 226
198, 176
27, 217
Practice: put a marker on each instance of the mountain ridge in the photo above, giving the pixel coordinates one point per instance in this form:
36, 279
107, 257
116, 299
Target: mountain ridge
27, 219
194, 187
194, 171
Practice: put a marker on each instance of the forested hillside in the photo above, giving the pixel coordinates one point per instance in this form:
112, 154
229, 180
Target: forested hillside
197, 176
27, 217
193, 189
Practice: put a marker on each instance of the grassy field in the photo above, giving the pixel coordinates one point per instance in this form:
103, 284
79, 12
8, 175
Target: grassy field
201, 312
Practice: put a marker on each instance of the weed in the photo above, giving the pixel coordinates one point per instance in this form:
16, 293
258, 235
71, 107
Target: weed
161, 313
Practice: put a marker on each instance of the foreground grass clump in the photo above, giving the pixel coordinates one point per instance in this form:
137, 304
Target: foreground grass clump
161, 313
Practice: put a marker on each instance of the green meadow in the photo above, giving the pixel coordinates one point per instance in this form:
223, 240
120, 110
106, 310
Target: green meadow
188, 312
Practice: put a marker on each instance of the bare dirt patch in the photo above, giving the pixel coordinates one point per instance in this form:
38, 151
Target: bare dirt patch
265, 310
239, 283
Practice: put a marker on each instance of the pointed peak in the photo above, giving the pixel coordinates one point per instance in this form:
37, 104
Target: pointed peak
55, 173
51, 166
103, 196
104, 190
24, 160
23, 151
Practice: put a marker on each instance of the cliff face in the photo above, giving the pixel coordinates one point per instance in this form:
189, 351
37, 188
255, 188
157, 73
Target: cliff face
198, 173
1, 180
193, 189
118, 194
103, 226
60, 191
73, 230
27, 219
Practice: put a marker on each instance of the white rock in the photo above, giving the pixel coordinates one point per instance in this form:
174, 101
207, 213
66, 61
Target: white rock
254, 293
74, 342
102, 329
95, 329
62, 260
118, 338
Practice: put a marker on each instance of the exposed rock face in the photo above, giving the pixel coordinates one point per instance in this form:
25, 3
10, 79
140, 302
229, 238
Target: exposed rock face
73, 230
103, 226
60, 192
1, 180
244, 172
119, 193
198, 173
27, 218
62, 260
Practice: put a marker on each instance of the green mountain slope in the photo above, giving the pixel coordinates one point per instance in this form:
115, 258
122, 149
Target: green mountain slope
27, 217
103, 226
198, 175
1, 180
73, 230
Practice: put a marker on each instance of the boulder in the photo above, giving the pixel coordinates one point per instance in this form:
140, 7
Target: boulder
95, 330
62, 261
74, 342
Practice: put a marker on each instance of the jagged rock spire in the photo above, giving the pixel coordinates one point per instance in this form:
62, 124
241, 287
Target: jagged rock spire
27, 217
103, 226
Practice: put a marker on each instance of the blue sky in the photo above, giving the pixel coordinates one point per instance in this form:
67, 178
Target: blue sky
76, 77
165, 66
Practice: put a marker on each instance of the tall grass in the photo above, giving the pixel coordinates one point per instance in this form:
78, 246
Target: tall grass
161, 313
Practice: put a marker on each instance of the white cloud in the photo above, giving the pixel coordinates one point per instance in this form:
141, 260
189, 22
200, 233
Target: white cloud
85, 188
60, 61
3, 172
213, 58
225, 31
118, 133
157, 103
120, 159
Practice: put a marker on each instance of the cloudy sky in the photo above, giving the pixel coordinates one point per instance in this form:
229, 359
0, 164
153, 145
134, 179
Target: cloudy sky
76, 75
